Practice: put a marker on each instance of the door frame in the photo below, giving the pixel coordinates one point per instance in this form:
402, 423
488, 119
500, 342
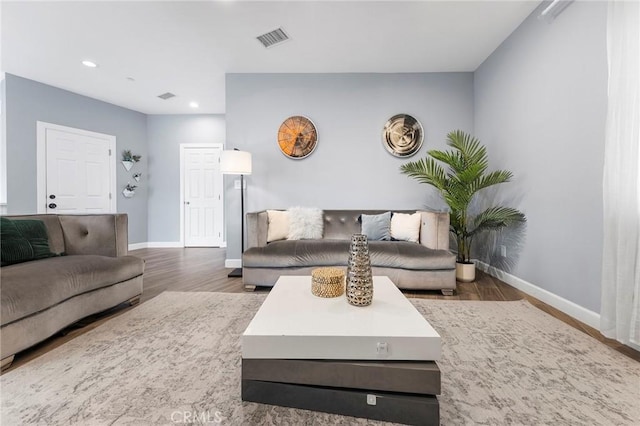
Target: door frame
41, 162
183, 147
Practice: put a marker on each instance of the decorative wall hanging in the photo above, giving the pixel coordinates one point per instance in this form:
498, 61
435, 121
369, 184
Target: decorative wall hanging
402, 135
297, 137
129, 159
137, 176
129, 190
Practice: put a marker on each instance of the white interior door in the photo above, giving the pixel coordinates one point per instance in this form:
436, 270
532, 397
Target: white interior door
78, 171
202, 191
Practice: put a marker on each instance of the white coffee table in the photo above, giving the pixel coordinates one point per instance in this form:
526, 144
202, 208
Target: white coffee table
326, 355
293, 323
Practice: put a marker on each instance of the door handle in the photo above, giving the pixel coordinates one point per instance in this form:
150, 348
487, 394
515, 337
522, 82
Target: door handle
53, 197
187, 203
53, 205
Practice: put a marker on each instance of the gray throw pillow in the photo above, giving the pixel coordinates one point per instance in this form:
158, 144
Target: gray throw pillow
377, 227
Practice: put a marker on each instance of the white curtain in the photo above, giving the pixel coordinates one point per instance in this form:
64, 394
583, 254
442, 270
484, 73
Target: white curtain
620, 311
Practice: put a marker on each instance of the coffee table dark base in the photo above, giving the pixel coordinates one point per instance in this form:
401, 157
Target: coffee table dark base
401, 408
396, 391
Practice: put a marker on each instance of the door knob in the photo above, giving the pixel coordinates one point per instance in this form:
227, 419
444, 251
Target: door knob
52, 205
53, 197
187, 203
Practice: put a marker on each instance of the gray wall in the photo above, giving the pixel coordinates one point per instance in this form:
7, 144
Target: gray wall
349, 168
3, 147
28, 101
166, 134
540, 106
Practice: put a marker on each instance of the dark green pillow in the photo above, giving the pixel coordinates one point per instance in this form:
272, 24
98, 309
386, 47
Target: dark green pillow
23, 240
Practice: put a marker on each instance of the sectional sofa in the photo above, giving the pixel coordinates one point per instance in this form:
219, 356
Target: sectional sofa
90, 273
424, 265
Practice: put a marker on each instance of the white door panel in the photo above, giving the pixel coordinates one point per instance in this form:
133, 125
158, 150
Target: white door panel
78, 175
202, 197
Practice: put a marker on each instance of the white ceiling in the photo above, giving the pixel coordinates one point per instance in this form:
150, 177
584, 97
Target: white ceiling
187, 47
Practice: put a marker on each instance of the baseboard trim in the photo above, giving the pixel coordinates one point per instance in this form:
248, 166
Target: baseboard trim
137, 246
169, 244
233, 263
156, 244
570, 308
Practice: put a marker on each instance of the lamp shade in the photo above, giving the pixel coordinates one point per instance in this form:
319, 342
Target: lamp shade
235, 163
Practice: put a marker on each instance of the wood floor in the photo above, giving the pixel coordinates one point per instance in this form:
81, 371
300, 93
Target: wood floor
202, 269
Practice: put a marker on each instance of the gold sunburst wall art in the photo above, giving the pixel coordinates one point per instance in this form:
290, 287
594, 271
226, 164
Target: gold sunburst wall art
402, 135
297, 137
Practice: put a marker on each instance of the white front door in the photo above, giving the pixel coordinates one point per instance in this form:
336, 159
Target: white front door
202, 196
78, 171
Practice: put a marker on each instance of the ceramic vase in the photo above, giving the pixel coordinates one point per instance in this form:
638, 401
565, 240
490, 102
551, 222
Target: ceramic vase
359, 282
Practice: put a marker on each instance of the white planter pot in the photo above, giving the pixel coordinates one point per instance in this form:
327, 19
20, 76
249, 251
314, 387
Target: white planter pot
127, 165
127, 193
465, 272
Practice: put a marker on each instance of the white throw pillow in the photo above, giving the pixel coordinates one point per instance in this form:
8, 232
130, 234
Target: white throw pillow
406, 227
278, 227
305, 223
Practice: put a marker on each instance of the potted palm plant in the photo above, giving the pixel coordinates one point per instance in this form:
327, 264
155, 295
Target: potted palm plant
466, 174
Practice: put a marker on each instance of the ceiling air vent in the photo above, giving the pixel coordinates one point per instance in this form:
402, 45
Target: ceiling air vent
272, 38
166, 96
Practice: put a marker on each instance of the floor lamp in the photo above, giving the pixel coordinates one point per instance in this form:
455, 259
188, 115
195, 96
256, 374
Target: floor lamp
237, 162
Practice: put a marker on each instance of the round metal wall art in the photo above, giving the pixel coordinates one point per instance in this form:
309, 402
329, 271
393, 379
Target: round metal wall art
297, 137
402, 136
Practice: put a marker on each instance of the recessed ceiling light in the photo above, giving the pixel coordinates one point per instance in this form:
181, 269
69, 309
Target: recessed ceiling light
89, 64
193, 104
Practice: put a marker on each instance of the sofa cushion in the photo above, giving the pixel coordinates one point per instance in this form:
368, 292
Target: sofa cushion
22, 241
54, 230
377, 226
278, 225
31, 287
406, 255
301, 253
293, 253
406, 227
305, 223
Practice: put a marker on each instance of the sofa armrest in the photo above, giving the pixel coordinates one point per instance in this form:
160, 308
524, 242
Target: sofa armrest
101, 234
257, 227
434, 230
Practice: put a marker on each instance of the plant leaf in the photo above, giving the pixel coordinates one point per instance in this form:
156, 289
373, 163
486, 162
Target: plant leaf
426, 171
495, 218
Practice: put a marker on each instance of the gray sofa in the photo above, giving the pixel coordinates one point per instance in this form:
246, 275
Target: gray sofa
427, 265
41, 297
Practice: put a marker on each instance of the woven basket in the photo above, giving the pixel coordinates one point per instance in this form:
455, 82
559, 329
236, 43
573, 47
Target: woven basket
327, 282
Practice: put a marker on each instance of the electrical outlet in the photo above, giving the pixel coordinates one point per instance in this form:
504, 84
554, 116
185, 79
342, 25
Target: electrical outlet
503, 251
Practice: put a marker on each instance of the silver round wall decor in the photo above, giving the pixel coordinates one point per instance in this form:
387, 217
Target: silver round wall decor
402, 136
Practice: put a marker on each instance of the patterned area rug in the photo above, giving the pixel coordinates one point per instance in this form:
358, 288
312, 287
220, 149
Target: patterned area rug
176, 359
